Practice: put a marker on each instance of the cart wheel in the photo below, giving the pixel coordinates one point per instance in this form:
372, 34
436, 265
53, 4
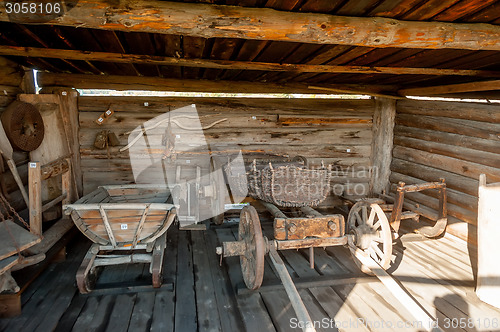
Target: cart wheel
217, 179
372, 234
252, 263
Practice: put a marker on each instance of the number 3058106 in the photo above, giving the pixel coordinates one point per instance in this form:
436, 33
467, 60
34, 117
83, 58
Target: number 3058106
32, 8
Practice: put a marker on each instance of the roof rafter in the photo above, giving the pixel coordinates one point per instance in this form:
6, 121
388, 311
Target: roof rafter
228, 64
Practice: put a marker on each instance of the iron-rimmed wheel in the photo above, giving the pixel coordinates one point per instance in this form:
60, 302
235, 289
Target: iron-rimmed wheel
370, 231
252, 262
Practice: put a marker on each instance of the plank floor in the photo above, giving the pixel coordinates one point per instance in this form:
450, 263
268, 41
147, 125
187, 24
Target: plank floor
202, 295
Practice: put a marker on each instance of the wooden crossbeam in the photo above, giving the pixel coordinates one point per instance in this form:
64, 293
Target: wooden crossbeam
35, 52
452, 88
215, 21
118, 82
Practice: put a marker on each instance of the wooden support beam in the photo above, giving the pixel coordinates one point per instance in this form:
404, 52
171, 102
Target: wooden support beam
213, 21
382, 142
117, 82
451, 88
228, 64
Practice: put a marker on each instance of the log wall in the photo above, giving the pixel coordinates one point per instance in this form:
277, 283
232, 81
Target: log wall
338, 132
11, 76
456, 141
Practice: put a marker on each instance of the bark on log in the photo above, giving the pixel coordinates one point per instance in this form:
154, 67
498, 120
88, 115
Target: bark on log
212, 21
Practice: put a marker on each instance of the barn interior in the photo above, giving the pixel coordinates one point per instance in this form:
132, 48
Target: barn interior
379, 92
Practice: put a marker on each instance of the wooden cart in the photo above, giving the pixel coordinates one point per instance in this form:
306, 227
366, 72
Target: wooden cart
127, 223
367, 233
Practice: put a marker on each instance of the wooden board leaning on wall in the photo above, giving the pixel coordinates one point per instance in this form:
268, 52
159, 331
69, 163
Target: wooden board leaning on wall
456, 141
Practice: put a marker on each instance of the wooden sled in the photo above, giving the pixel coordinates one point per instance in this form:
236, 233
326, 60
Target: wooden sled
127, 223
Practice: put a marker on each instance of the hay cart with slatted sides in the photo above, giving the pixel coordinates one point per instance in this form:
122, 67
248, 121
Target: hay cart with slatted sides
371, 227
127, 224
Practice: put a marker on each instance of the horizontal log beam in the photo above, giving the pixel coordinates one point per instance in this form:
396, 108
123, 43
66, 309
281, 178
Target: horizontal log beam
117, 82
213, 21
228, 64
452, 88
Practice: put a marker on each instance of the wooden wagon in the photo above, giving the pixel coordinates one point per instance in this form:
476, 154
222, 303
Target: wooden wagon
127, 223
369, 231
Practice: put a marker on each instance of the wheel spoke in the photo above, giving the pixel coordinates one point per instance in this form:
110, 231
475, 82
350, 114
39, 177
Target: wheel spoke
364, 211
377, 250
378, 240
373, 254
376, 225
358, 218
372, 217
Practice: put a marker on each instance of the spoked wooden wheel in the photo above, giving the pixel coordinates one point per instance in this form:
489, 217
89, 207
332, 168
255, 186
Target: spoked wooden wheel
252, 262
371, 232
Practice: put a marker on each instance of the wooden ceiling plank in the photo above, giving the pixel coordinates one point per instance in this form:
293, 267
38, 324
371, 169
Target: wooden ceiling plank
320, 6
356, 8
282, 4
58, 31
224, 51
462, 9
428, 9
171, 46
489, 14
395, 9
452, 88
212, 21
193, 48
40, 41
140, 43
109, 41
247, 52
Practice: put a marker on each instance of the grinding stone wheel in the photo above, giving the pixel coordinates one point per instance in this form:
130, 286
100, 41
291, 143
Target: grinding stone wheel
23, 125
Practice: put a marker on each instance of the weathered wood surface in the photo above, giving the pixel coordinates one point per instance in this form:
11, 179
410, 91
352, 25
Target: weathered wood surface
117, 82
231, 64
334, 131
451, 88
455, 141
437, 273
382, 142
209, 21
13, 238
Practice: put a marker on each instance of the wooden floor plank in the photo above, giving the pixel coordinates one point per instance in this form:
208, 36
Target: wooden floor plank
333, 305
119, 317
142, 314
164, 307
71, 315
101, 317
224, 292
185, 310
206, 304
251, 306
87, 314
163, 312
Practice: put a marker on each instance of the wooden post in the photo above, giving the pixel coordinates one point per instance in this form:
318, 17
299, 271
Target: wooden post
35, 197
66, 184
382, 142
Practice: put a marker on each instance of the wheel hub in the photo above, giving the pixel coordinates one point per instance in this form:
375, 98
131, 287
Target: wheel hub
363, 236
